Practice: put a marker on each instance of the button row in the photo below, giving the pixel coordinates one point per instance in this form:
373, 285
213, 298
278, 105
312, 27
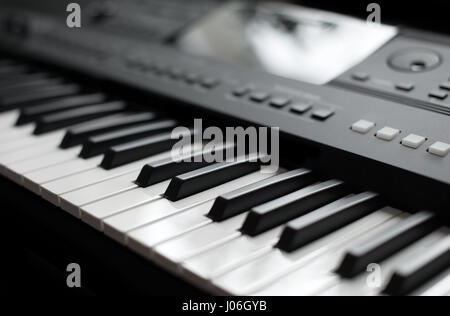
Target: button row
412, 140
173, 73
280, 102
365, 77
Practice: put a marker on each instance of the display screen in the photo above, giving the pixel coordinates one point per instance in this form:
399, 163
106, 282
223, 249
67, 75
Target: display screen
290, 41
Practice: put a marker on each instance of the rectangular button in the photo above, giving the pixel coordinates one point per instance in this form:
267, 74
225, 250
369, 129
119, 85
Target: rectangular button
438, 95
413, 141
322, 114
301, 108
363, 126
387, 133
440, 149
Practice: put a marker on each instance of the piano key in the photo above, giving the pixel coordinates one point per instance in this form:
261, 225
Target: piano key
94, 176
25, 143
168, 168
30, 114
99, 144
207, 177
259, 273
76, 136
10, 135
144, 238
17, 148
439, 287
97, 191
127, 153
266, 216
202, 239
327, 219
67, 118
417, 271
94, 213
32, 98
7, 119
118, 225
78, 185
219, 260
386, 243
16, 170
359, 285
243, 199
34, 180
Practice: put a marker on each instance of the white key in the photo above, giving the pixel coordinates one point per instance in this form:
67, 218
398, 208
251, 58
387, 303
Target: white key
72, 201
27, 153
8, 135
169, 254
35, 141
15, 171
359, 286
144, 238
53, 191
94, 213
439, 287
230, 255
8, 119
33, 180
117, 226
261, 272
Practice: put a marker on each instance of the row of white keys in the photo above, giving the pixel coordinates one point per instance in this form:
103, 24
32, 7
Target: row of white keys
172, 253
111, 189
211, 264
91, 185
258, 274
33, 180
34, 146
117, 226
38, 155
359, 285
15, 171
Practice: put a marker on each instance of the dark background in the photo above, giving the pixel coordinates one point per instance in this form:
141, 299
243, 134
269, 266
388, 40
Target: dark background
432, 15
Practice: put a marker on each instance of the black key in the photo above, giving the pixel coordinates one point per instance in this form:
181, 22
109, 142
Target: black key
32, 85
77, 135
97, 145
420, 270
31, 98
241, 200
165, 169
30, 114
59, 120
271, 214
386, 243
208, 177
127, 153
327, 219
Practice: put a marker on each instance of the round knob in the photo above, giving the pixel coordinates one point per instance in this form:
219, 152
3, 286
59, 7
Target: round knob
415, 60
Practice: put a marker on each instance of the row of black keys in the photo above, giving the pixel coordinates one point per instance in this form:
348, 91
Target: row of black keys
44, 99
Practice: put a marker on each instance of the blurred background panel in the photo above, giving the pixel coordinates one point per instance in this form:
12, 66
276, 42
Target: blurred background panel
429, 15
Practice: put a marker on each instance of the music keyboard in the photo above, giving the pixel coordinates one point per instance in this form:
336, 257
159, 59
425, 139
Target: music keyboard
228, 227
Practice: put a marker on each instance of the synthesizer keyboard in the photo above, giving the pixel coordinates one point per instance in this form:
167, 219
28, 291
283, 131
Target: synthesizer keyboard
86, 130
